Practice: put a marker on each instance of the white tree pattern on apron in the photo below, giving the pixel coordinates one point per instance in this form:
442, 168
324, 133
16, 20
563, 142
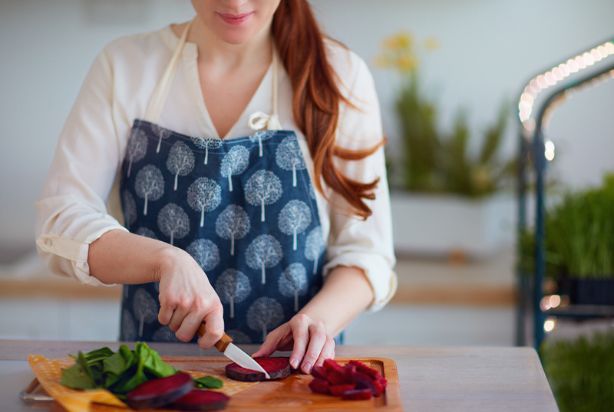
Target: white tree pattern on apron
314, 246
293, 282
180, 161
234, 163
162, 133
293, 219
174, 222
232, 286
232, 224
149, 185
128, 327
264, 252
129, 208
205, 253
263, 188
264, 315
204, 195
207, 143
145, 308
137, 148
289, 157
259, 136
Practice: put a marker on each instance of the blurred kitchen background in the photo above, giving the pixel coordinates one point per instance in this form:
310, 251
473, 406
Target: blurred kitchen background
449, 75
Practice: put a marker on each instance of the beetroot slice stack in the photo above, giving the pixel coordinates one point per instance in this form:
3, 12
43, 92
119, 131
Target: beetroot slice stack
277, 368
201, 400
159, 392
353, 381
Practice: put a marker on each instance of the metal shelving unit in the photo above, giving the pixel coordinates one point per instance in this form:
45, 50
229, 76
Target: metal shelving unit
534, 151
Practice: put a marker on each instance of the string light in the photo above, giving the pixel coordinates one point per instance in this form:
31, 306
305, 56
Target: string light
549, 325
549, 150
550, 302
555, 75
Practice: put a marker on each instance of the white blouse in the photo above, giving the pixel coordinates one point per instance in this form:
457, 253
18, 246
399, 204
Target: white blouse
80, 199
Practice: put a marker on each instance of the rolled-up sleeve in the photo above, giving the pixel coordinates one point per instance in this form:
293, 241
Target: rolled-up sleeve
365, 244
71, 211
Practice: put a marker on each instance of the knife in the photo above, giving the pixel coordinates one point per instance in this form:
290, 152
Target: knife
234, 353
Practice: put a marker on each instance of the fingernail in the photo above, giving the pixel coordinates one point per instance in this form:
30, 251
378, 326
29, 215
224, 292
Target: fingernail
293, 363
307, 367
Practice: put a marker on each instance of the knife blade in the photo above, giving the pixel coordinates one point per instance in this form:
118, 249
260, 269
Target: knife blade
234, 353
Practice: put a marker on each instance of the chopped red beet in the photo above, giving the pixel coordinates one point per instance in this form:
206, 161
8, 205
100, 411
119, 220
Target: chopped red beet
335, 377
277, 368
356, 394
201, 400
338, 390
349, 370
159, 392
362, 368
330, 364
319, 386
365, 382
318, 372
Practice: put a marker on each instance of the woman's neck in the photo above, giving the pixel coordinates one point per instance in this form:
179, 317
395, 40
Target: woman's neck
214, 51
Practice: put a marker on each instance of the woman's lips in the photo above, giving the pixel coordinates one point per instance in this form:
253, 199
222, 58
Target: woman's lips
235, 19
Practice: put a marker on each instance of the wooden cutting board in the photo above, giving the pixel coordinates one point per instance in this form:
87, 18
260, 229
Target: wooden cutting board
290, 394
293, 393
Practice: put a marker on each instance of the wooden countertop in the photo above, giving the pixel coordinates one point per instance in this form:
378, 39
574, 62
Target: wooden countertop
432, 379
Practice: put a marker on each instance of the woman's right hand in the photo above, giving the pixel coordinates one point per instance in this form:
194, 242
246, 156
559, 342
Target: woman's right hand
187, 298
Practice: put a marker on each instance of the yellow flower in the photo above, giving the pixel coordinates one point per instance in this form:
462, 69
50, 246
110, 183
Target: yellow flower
404, 40
406, 63
399, 41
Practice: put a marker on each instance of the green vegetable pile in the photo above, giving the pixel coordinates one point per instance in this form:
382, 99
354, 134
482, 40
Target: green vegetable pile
122, 371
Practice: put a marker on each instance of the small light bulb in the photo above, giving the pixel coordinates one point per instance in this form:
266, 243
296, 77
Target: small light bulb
549, 150
549, 325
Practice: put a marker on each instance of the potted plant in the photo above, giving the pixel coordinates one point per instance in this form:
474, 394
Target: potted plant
580, 372
579, 245
446, 199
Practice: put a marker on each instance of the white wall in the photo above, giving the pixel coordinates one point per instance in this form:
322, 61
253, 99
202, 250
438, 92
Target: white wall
488, 49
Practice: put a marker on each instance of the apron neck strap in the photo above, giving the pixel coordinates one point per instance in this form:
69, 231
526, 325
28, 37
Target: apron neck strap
156, 103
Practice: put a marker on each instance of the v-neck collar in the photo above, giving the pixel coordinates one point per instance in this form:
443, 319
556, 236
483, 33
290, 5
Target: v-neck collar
190, 60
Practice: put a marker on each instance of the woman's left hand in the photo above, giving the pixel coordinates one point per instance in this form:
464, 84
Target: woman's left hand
306, 337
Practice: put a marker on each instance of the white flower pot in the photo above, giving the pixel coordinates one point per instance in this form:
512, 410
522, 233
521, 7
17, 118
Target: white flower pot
442, 225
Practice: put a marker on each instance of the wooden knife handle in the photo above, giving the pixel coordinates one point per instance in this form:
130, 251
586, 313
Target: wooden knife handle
221, 344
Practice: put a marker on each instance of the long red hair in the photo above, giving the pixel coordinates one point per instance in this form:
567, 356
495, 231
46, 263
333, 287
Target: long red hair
316, 98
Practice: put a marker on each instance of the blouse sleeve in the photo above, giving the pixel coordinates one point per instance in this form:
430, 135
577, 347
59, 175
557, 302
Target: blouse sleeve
366, 244
71, 212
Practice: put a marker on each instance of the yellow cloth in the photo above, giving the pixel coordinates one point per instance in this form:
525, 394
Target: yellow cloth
48, 373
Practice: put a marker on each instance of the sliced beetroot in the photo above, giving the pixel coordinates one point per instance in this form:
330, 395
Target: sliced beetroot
356, 395
336, 377
277, 368
330, 364
339, 390
318, 372
201, 400
363, 368
319, 386
363, 381
159, 392
349, 370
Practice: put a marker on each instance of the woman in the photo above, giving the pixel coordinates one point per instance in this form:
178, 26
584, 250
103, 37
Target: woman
246, 152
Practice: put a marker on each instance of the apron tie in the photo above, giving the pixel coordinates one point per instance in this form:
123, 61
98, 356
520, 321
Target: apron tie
261, 121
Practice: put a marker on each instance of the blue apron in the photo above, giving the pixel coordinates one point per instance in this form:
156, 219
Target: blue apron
243, 208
